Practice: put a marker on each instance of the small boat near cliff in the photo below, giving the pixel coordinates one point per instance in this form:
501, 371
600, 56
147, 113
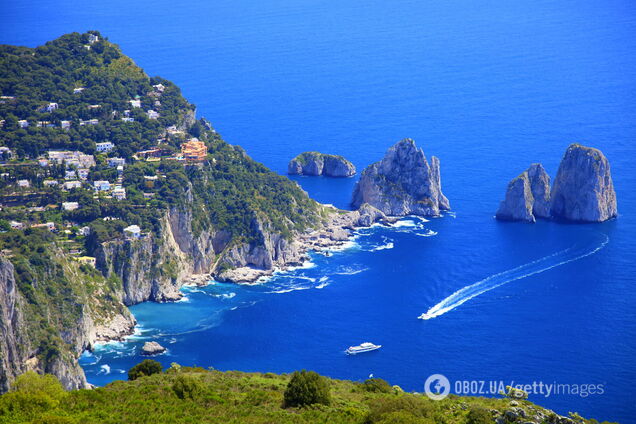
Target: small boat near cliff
361, 348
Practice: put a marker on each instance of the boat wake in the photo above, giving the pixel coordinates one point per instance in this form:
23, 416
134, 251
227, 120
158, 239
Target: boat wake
538, 266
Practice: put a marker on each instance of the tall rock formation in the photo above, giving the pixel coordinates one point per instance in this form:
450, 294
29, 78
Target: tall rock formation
402, 183
527, 196
583, 189
315, 163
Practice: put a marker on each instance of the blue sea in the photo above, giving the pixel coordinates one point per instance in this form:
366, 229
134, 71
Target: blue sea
489, 87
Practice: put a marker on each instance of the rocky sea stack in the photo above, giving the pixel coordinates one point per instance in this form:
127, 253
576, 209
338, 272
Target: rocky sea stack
316, 163
583, 190
527, 197
402, 183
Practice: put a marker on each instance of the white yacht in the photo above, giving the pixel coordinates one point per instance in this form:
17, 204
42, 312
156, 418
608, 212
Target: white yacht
361, 348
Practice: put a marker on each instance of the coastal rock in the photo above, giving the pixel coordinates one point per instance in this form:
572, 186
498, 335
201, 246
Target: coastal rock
540, 187
583, 189
315, 163
402, 183
527, 196
152, 348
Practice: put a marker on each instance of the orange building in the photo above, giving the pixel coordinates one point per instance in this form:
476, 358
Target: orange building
194, 150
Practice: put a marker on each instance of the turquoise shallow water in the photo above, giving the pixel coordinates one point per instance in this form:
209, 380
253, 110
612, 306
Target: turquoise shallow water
487, 87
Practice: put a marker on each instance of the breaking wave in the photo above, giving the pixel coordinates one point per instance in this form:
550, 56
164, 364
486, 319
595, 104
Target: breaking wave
538, 266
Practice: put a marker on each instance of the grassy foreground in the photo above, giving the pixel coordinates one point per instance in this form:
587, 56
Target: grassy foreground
195, 395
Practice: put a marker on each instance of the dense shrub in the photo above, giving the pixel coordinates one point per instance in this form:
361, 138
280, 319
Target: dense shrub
381, 409
144, 368
187, 387
307, 388
377, 385
479, 415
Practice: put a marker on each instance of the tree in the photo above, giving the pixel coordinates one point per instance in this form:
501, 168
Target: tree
307, 388
478, 415
144, 368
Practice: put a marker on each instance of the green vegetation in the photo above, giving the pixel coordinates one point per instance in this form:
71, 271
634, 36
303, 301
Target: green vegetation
307, 388
144, 368
194, 395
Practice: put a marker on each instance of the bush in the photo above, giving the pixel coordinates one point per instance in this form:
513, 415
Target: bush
377, 385
187, 386
386, 409
479, 415
144, 368
306, 388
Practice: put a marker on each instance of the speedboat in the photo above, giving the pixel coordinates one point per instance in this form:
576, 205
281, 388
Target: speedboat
361, 348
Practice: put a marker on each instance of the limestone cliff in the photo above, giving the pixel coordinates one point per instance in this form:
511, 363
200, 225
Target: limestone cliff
315, 163
583, 189
402, 183
527, 196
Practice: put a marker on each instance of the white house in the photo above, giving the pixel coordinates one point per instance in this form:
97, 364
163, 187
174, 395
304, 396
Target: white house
16, 225
128, 119
106, 146
82, 173
159, 87
78, 90
43, 163
119, 193
92, 38
84, 231
69, 185
120, 170
24, 183
152, 114
101, 185
23, 123
114, 162
133, 231
50, 183
70, 174
51, 107
135, 103
65, 125
5, 153
70, 206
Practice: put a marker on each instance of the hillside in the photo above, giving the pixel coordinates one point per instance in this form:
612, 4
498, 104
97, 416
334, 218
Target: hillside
191, 395
111, 194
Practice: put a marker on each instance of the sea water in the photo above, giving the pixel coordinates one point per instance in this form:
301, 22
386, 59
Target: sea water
488, 87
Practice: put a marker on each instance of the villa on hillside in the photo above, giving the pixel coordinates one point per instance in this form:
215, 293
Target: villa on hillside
133, 231
194, 150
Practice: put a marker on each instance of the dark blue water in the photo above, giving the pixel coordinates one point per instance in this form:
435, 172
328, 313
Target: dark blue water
489, 87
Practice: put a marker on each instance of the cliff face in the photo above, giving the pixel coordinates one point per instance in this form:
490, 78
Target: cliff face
314, 163
583, 189
14, 347
527, 196
402, 183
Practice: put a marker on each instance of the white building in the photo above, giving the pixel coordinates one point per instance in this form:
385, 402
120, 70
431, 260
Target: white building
128, 119
51, 107
101, 185
23, 123
114, 162
82, 173
92, 38
135, 103
5, 153
159, 87
119, 193
70, 206
152, 114
24, 183
78, 90
16, 225
133, 231
65, 125
106, 146
84, 231
50, 183
69, 185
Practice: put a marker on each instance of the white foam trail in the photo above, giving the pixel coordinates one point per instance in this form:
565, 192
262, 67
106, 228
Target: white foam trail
532, 268
428, 233
389, 245
104, 369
